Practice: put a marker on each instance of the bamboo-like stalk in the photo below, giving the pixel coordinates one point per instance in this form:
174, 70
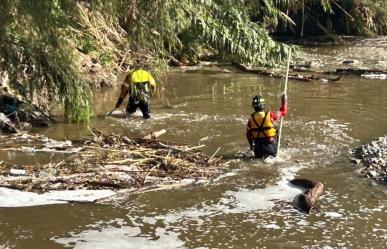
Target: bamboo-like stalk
303, 19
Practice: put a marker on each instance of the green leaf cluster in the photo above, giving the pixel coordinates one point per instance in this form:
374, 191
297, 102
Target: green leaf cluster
42, 40
350, 17
37, 54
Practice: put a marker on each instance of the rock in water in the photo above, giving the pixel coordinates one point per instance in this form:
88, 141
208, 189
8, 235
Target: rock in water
374, 157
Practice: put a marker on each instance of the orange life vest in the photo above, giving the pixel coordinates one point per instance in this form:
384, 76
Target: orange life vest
261, 126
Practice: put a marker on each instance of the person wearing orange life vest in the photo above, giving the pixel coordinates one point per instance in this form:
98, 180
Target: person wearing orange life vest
140, 85
261, 133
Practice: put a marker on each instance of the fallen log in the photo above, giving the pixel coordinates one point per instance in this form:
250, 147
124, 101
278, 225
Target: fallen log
364, 72
307, 201
360, 71
298, 77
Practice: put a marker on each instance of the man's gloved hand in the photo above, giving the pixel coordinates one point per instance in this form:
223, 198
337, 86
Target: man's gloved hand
119, 102
284, 98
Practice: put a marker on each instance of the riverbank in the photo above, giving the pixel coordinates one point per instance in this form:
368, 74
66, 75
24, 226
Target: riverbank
372, 158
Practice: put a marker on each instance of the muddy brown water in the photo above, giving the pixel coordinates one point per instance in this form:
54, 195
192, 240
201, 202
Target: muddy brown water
251, 206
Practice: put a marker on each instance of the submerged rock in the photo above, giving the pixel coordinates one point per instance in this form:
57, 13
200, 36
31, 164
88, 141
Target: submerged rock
374, 158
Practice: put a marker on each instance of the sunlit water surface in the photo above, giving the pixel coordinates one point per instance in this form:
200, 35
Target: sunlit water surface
251, 207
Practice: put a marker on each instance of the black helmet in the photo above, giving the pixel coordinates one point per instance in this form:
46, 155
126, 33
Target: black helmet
258, 102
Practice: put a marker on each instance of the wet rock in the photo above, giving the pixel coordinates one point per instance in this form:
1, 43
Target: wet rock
372, 173
374, 157
362, 172
355, 160
350, 62
372, 183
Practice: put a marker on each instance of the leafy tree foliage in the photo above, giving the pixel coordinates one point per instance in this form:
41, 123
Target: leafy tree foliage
41, 40
37, 54
353, 17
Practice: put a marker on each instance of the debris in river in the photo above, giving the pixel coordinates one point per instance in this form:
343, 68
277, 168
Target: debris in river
109, 161
360, 71
375, 76
41, 144
350, 62
297, 76
16, 114
6, 124
374, 158
17, 172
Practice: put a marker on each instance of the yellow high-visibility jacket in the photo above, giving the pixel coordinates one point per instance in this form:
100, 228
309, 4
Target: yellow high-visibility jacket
137, 76
261, 125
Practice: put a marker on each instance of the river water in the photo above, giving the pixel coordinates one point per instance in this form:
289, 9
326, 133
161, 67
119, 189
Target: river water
250, 207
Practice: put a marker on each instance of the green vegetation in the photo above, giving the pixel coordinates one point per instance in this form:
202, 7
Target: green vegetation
316, 17
37, 53
42, 42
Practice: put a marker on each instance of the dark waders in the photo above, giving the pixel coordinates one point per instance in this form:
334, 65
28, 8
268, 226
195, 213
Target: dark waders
265, 146
144, 106
139, 97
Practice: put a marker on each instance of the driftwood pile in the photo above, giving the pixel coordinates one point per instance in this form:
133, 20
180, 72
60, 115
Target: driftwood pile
317, 75
296, 76
109, 161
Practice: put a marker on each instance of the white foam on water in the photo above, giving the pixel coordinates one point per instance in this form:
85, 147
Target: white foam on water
283, 155
123, 113
123, 237
271, 226
17, 198
333, 215
228, 174
247, 200
232, 202
149, 220
241, 201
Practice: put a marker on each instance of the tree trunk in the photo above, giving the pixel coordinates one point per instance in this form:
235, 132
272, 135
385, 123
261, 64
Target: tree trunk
307, 201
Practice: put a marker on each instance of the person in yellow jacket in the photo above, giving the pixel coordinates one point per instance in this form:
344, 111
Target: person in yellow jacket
261, 133
140, 85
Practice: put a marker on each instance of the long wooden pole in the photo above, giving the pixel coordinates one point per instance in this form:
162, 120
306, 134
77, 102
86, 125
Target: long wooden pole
285, 91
